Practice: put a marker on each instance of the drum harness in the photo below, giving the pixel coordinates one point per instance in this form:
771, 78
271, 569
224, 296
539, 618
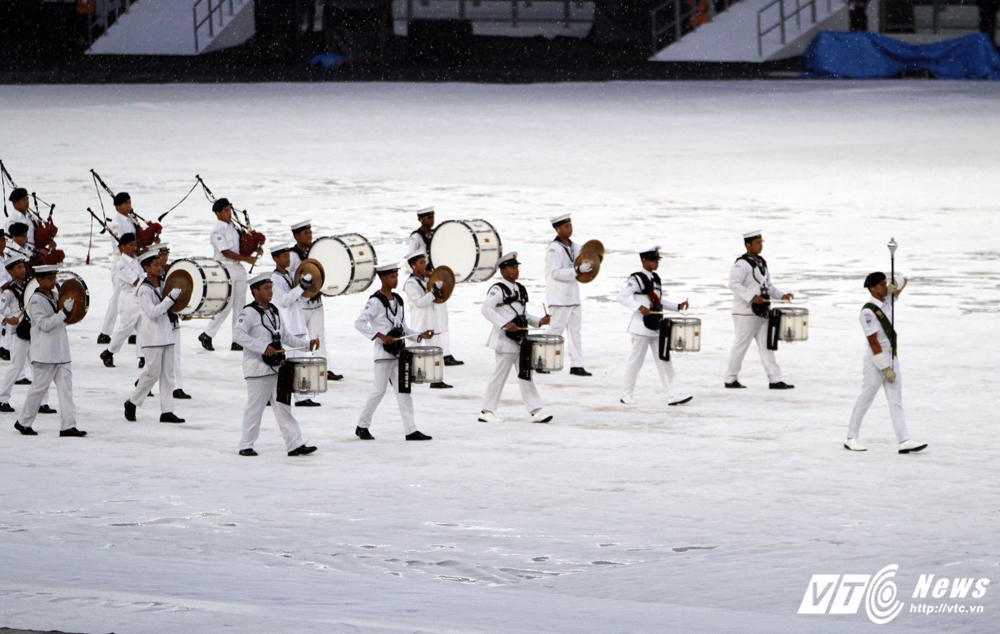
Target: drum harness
761, 310
22, 331
398, 347
520, 320
286, 373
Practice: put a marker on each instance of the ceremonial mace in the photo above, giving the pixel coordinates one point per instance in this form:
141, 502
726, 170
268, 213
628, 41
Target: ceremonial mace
892, 255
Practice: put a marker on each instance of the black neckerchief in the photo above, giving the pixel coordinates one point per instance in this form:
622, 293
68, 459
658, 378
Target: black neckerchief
288, 278
425, 238
18, 292
53, 302
567, 249
420, 282
299, 252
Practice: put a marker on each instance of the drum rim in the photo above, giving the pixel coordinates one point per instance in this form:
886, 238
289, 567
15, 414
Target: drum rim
797, 311
479, 250
306, 360
425, 351
543, 338
204, 282
685, 320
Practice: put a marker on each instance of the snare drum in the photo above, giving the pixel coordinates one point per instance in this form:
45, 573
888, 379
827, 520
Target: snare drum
70, 285
685, 334
794, 325
348, 263
546, 352
470, 248
308, 375
210, 286
428, 364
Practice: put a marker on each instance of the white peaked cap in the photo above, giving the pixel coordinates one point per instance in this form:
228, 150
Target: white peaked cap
425, 211
752, 234
655, 247
387, 267
257, 279
281, 248
413, 254
163, 246
14, 259
507, 257
147, 256
46, 268
562, 218
301, 225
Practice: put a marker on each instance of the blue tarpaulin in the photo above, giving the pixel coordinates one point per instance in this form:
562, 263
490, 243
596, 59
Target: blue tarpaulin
870, 55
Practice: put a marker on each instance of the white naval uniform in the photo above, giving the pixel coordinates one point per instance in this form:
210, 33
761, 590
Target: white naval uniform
562, 294
9, 336
127, 273
506, 349
632, 296
5, 279
50, 359
118, 226
745, 282
11, 303
288, 298
312, 309
254, 332
872, 377
25, 219
436, 316
157, 336
374, 319
425, 314
225, 237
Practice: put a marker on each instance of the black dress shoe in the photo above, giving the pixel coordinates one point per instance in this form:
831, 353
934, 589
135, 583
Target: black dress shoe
142, 362
170, 417
579, 372
682, 401
5, 354
331, 376
103, 339
417, 436
236, 347
130, 411
45, 409
108, 358
301, 451
363, 433
181, 394
247, 452
440, 385
206, 343
450, 360
131, 340
72, 431
780, 385
5, 407
735, 385
25, 431
24, 381
307, 403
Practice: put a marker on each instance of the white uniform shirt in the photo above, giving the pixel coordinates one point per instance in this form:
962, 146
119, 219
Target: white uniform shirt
49, 341
5, 277
254, 331
155, 329
127, 272
633, 298
288, 299
10, 305
14, 248
294, 261
417, 243
16, 217
745, 282
561, 287
870, 324
499, 315
421, 302
225, 237
376, 319
119, 225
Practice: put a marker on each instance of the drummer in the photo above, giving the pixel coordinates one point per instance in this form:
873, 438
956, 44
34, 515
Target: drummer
312, 309
423, 310
179, 393
118, 225
129, 275
643, 295
506, 307
420, 240
562, 290
12, 311
383, 321
287, 296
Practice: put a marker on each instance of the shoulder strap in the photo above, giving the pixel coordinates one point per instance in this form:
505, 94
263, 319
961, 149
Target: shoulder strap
380, 297
645, 284
885, 323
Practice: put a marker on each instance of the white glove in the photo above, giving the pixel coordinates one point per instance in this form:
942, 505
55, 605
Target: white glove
890, 376
586, 267
892, 288
174, 294
68, 305
439, 284
306, 280
882, 363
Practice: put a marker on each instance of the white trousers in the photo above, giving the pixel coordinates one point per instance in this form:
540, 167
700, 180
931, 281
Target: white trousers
665, 368
443, 341
159, 367
8, 334
238, 275
20, 352
178, 375
316, 327
872, 380
45, 374
130, 313
386, 372
751, 328
494, 388
569, 318
111, 314
260, 390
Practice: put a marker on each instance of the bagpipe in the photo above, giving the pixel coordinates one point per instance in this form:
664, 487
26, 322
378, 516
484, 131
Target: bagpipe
45, 229
250, 241
146, 235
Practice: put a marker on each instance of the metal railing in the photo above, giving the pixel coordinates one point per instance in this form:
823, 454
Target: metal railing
515, 15
674, 19
106, 13
785, 15
215, 12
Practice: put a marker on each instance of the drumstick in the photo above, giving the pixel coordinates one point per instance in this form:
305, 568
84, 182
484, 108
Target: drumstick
418, 334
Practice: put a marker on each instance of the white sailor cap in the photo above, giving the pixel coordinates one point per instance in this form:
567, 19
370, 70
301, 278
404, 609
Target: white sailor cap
650, 253
749, 235
278, 249
147, 256
387, 267
259, 279
298, 226
14, 259
45, 268
163, 246
560, 220
415, 255
426, 211
508, 259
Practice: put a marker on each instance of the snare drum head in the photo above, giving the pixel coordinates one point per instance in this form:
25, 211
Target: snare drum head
179, 279
454, 245
75, 288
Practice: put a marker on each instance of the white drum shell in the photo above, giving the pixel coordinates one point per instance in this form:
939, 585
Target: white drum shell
794, 324
348, 263
428, 364
685, 334
470, 248
211, 289
309, 375
61, 277
546, 352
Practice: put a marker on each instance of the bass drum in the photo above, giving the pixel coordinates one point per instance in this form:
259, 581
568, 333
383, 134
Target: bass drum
209, 283
348, 262
70, 285
470, 248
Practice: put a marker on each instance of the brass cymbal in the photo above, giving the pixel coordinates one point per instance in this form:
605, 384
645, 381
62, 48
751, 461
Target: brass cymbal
314, 268
593, 252
446, 275
182, 280
73, 288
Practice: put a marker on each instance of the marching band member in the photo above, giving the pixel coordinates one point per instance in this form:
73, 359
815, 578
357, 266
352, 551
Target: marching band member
312, 309
120, 224
506, 307
20, 201
643, 295
226, 243
259, 330
12, 311
881, 367
157, 336
288, 298
18, 232
50, 352
424, 312
750, 282
383, 321
420, 240
562, 291
129, 275
179, 393
5, 279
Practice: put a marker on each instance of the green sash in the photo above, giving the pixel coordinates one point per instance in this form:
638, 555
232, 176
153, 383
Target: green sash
886, 324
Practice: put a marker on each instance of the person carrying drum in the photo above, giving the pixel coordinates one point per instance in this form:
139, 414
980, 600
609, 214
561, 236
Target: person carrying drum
129, 275
156, 331
120, 224
880, 365
506, 308
420, 240
288, 298
312, 310
562, 290
425, 312
12, 313
643, 295
226, 243
750, 282
383, 320
50, 354
259, 330
179, 393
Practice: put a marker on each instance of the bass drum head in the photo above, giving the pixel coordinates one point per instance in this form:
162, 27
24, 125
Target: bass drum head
335, 258
182, 269
454, 245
